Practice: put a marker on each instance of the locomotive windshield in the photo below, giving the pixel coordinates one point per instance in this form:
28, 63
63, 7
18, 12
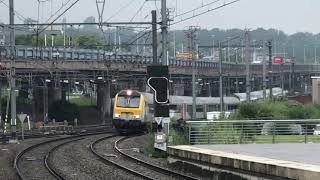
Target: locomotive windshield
128, 102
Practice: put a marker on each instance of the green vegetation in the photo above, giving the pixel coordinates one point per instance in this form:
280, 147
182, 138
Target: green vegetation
83, 100
276, 110
63, 110
150, 150
262, 132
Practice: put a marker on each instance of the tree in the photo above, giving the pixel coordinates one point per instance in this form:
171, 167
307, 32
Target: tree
87, 41
90, 28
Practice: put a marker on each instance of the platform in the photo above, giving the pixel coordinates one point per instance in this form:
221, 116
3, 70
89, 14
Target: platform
294, 161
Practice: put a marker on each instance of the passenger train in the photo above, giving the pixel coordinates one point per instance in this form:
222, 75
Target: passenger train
133, 110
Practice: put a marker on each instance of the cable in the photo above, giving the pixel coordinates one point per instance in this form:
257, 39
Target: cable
139, 10
21, 17
208, 4
59, 16
139, 37
57, 11
123, 7
209, 10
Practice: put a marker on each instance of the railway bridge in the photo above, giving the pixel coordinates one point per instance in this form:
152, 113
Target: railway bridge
54, 71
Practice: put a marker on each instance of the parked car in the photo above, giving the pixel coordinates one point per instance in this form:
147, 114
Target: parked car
317, 130
296, 129
282, 129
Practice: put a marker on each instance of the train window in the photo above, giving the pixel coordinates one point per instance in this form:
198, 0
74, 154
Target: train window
128, 102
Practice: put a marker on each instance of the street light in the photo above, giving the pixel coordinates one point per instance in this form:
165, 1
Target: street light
212, 53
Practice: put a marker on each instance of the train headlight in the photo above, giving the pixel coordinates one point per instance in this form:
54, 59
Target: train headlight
137, 116
116, 115
129, 92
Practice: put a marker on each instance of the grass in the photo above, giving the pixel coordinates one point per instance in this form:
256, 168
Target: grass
83, 101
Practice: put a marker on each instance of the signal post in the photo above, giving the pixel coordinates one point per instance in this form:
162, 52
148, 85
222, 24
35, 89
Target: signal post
158, 82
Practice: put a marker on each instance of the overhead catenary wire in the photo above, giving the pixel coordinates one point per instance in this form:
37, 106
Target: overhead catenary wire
139, 10
207, 11
74, 3
21, 17
120, 9
200, 7
64, 5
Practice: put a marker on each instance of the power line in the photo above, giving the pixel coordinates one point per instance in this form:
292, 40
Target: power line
209, 10
139, 10
64, 5
205, 5
119, 10
60, 15
21, 17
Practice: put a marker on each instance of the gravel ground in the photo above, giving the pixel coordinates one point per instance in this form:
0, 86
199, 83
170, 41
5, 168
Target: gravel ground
32, 162
7, 154
82, 164
106, 148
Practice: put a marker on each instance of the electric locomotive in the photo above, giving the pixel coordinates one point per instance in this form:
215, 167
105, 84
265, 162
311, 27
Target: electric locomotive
129, 111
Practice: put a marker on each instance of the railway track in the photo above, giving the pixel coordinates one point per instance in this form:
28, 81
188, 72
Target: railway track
132, 164
36, 158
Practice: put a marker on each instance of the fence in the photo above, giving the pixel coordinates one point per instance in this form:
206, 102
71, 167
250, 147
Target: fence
254, 131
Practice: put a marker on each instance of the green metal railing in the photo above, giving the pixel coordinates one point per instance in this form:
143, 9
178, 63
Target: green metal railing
254, 131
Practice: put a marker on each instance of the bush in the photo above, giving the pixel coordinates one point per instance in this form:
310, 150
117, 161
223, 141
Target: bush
63, 110
262, 110
150, 150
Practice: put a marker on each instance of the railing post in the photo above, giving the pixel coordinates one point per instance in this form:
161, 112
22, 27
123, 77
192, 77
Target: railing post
274, 133
189, 126
241, 133
209, 134
306, 133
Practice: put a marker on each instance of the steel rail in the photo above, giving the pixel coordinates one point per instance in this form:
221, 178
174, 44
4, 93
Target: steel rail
48, 156
149, 165
18, 157
104, 160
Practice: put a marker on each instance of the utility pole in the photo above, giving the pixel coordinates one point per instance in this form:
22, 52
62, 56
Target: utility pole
191, 35
12, 71
270, 69
220, 79
154, 37
164, 28
264, 73
248, 61
304, 54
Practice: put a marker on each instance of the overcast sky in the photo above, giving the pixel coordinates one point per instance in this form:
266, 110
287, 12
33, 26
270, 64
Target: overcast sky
288, 15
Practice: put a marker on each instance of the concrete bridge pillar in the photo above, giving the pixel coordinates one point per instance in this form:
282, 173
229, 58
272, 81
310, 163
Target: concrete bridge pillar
141, 84
55, 94
178, 89
104, 102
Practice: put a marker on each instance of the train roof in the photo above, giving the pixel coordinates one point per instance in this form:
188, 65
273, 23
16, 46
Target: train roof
177, 100
256, 95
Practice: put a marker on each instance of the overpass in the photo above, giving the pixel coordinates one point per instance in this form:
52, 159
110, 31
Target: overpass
69, 65
86, 64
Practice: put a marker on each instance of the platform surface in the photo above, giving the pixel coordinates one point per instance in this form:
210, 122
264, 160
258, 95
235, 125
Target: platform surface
301, 153
295, 161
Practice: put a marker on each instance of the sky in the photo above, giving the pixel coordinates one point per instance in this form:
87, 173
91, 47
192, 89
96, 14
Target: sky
290, 16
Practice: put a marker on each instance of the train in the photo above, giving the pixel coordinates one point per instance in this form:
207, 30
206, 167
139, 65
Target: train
130, 111
133, 110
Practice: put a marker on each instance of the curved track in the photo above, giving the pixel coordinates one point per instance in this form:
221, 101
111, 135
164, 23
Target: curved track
47, 158
36, 157
134, 165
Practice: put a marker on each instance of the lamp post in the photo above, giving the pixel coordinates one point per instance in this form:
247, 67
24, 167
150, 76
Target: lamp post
212, 53
304, 54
